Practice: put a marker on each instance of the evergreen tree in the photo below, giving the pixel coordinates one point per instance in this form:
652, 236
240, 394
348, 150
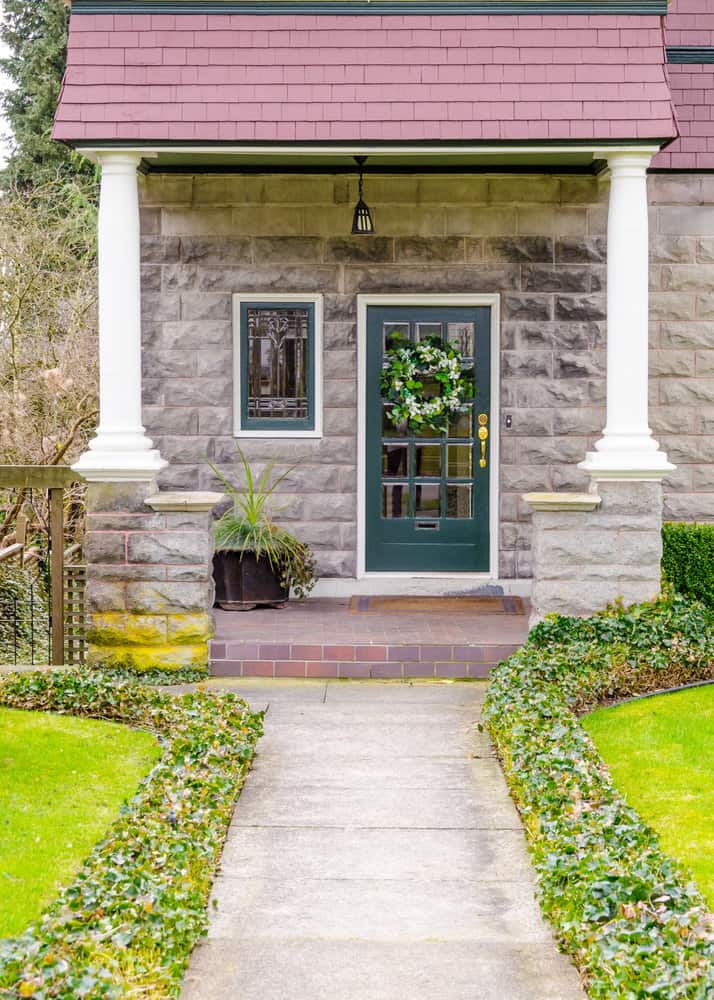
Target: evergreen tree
35, 32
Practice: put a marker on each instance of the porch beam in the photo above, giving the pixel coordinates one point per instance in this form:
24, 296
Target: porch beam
121, 450
627, 450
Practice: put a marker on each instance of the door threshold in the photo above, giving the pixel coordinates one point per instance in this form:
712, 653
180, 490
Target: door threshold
407, 585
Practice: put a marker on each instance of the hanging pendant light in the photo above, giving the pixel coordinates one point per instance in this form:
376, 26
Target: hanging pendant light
362, 224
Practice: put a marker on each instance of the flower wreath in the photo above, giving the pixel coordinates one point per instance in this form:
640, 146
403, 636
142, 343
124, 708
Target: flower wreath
402, 384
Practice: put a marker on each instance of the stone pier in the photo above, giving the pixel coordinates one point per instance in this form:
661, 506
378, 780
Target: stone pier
149, 582
590, 549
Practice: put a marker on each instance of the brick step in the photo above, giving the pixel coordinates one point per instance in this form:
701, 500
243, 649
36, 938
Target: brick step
239, 659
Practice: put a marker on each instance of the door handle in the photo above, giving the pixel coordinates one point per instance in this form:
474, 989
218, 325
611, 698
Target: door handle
483, 437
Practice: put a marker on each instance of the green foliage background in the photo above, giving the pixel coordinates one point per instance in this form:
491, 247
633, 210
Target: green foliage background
35, 32
688, 559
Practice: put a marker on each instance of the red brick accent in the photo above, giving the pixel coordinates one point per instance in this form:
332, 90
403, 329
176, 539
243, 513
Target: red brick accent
452, 670
290, 668
418, 669
257, 668
354, 670
306, 652
371, 653
274, 652
404, 653
322, 669
356, 661
240, 650
339, 652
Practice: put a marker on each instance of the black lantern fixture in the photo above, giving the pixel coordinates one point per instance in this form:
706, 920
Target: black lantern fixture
362, 224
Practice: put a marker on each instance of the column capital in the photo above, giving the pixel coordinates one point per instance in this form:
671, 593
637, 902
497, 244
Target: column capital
119, 161
629, 163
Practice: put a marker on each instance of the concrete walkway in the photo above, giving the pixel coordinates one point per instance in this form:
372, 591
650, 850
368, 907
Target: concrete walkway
375, 855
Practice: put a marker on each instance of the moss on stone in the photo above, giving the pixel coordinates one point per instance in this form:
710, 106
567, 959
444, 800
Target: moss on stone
147, 658
140, 643
189, 628
120, 628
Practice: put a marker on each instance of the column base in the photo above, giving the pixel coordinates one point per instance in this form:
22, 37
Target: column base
113, 466
625, 466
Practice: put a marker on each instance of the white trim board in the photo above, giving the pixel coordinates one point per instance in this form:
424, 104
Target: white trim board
316, 300
363, 303
404, 585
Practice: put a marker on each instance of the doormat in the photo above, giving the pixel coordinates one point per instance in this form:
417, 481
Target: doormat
437, 605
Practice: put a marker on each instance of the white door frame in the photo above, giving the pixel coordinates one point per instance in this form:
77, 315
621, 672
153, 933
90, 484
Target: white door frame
363, 303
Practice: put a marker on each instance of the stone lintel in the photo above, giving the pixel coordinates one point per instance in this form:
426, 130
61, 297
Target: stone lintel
562, 501
190, 500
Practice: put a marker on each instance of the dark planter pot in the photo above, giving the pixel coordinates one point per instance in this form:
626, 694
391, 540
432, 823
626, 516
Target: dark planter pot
244, 582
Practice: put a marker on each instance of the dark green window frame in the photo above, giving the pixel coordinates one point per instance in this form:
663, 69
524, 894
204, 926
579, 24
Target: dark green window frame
270, 424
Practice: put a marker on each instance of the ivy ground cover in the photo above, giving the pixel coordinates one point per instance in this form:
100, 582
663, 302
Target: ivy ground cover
62, 781
660, 753
632, 918
127, 923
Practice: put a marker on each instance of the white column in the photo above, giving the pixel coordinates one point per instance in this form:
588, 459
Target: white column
121, 450
627, 449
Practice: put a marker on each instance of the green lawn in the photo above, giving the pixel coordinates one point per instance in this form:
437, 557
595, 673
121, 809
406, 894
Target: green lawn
62, 781
660, 752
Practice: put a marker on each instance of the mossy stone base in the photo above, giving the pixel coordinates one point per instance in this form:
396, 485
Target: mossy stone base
149, 642
149, 584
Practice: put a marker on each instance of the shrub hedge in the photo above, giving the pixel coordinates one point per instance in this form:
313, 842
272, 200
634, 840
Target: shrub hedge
688, 559
128, 922
631, 918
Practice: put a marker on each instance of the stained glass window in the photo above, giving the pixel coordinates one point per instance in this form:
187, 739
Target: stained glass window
277, 348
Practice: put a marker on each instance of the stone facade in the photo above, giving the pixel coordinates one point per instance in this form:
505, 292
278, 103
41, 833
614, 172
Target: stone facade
537, 240
585, 560
149, 584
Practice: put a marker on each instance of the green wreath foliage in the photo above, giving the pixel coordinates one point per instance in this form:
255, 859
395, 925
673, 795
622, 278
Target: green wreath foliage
406, 372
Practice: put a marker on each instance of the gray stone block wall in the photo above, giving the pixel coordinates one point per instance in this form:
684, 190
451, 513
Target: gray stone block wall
585, 560
539, 241
682, 338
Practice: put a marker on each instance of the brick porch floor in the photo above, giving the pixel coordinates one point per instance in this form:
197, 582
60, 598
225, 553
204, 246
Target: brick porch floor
324, 637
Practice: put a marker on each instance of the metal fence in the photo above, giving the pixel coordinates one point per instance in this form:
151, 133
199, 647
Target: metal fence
42, 608
26, 612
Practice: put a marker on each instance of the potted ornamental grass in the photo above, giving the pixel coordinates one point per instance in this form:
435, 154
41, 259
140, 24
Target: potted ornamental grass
256, 562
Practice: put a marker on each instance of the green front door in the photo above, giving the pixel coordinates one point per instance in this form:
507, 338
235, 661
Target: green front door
427, 497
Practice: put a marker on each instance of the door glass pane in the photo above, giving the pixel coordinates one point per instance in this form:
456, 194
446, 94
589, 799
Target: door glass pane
395, 460
428, 459
424, 330
427, 500
278, 359
393, 333
395, 500
461, 337
428, 432
462, 425
458, 500
390, 430
458, 460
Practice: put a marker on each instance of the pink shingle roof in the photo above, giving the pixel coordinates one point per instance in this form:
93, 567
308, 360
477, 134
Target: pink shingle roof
244, 78
691, 23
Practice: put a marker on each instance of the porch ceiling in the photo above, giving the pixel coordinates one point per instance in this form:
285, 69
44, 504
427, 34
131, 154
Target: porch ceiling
387, 161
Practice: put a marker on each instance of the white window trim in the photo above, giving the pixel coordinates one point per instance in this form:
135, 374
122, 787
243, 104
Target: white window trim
494, 302
317, 302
